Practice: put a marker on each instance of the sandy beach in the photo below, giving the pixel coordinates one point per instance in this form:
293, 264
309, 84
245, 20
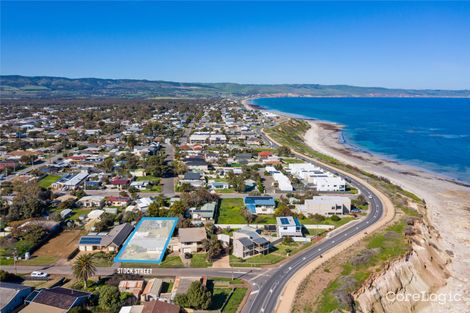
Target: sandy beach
448, 204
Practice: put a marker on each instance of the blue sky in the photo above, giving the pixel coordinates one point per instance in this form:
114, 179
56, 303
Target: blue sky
399, 44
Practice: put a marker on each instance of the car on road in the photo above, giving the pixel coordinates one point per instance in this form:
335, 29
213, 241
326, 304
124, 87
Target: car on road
38, 274
370, 197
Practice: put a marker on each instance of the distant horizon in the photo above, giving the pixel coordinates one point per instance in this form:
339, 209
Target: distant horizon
228, 82
399, 45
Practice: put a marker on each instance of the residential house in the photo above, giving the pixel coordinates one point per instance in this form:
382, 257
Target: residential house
152, 290
109, 242
283, 182
260, 204
247, 243
190, 239
195, 163
91, 201
195, 179
132, 286
54, 300
215, 185
329, 183
117, 200
12, 296
204, 213
325, 205
140, 185
198, 138
288, 226
120, 183
264, 155
70, 182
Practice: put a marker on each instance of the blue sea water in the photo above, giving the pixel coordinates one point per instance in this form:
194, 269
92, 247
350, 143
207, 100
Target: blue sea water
433, 133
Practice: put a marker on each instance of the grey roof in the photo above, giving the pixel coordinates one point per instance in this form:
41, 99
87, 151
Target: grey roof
260, 241
195, 234
192, 176
246, 242
117, 235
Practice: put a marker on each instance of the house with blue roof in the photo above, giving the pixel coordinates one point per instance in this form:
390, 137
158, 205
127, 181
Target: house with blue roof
260, 204
288, 226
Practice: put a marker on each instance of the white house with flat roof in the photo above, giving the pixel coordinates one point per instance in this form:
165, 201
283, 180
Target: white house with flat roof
325, 205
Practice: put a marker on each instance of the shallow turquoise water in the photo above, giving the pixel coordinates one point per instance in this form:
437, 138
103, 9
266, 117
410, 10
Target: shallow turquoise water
433, 133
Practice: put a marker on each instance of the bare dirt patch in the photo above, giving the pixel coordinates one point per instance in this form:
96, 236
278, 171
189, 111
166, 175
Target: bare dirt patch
61, 245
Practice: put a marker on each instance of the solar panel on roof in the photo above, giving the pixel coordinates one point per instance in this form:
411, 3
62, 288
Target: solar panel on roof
90, 240
284, 221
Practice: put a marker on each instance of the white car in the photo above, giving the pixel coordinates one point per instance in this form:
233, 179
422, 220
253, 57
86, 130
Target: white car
370, 197
39, 274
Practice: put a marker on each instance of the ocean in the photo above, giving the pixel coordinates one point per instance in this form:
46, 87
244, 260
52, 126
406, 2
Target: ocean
431, 133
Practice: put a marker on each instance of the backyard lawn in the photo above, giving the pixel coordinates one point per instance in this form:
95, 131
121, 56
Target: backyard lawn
229, 212
149, 178
77, 213
48, 180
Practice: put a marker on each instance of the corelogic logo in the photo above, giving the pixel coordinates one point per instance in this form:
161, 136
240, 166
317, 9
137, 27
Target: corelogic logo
441, 298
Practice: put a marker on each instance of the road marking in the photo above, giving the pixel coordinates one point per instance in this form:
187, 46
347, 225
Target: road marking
254, 292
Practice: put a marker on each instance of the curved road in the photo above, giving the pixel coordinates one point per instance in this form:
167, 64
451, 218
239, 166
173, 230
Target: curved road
267, 288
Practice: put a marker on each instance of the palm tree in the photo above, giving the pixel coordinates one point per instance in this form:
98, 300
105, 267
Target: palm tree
84, 267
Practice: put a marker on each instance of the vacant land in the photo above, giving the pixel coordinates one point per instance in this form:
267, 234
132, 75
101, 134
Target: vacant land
230, 211
48, 180
60, 246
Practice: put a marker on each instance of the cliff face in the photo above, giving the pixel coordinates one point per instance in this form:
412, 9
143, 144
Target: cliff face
422, 270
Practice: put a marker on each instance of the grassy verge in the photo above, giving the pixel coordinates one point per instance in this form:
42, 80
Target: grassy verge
200, 260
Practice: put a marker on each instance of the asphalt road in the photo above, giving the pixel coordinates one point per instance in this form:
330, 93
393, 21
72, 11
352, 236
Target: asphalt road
243, 273
266, 289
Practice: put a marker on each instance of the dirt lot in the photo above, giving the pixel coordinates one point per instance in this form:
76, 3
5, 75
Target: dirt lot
61, 245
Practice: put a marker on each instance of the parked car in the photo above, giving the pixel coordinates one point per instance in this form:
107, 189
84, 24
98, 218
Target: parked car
39, 274
187, 256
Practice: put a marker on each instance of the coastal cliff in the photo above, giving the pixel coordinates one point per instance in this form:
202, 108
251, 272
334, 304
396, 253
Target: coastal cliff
422, 270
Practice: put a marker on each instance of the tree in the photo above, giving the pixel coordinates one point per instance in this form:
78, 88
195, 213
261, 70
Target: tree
197, 297
215, 249
110, 299
107, 164
283, 210
27, 201
335, 218
283, 151
84, 267
247, 215
177, 209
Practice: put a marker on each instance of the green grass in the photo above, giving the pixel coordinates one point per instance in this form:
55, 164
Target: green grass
228, 190
167, 286
149, 178
169, 262
102, 259
39, 260
229, 211
292, 160
235, 300
200, 260
78, 213
390, 244
172, 261
48, 180
219, 296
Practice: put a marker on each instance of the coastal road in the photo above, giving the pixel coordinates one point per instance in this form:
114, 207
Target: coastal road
267, 288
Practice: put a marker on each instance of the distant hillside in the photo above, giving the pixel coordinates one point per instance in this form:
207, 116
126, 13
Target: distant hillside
43, 87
